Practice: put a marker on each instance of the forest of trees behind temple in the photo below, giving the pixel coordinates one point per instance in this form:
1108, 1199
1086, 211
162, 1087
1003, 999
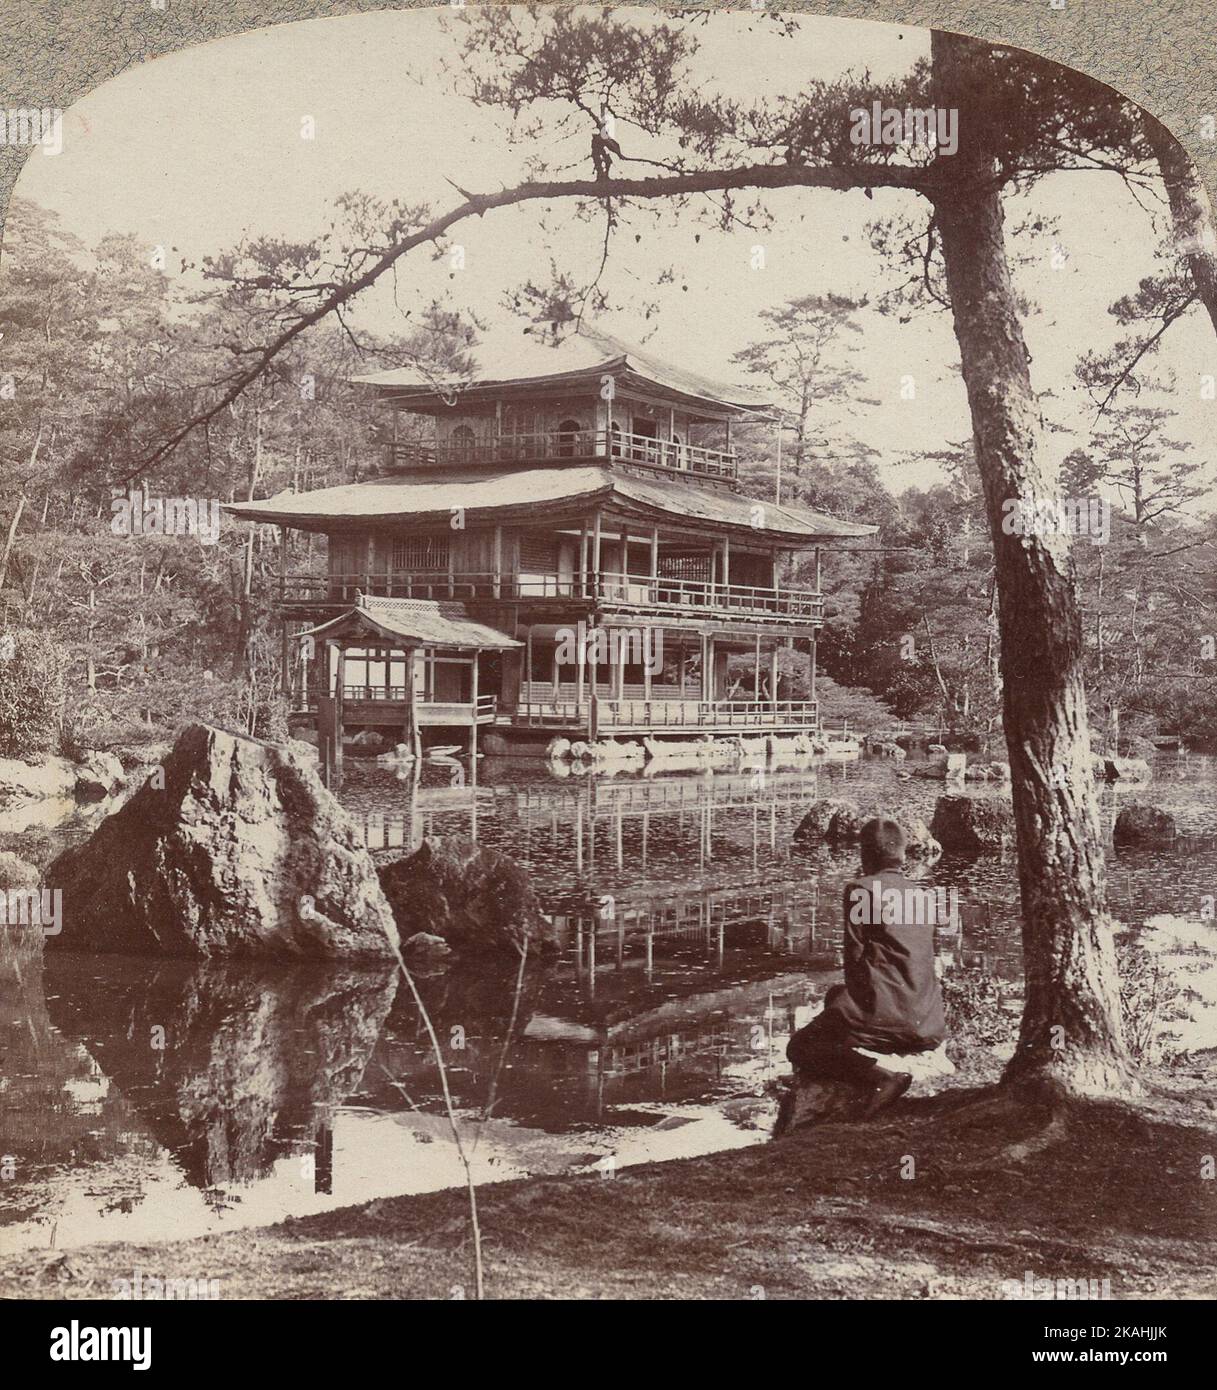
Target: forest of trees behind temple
102, 358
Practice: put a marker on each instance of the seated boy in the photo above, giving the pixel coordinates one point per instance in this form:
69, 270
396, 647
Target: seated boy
891, 1001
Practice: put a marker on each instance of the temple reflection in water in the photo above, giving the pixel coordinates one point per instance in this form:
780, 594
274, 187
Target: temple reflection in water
694, 939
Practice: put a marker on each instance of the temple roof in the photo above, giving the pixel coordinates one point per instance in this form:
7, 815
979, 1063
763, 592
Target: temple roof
416, 621
560, 494
517, 362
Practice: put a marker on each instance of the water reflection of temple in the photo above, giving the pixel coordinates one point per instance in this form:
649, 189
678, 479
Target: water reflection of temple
602, 850
694, 940
594, 807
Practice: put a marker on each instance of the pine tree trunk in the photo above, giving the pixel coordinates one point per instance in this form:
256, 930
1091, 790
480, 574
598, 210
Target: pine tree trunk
1071, 1032
1191, 214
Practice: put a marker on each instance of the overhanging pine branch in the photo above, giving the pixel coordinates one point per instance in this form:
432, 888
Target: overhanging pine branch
843, 178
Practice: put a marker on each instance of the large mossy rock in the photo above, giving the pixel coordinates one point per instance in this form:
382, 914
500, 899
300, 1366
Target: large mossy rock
972, 824
479, 901
919, 842
819, 817
241, 852
1141, 824
842, 820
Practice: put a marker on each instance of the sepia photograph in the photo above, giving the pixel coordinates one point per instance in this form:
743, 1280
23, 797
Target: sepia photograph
608, 672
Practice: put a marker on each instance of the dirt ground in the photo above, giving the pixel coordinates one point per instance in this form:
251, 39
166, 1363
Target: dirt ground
952, 1196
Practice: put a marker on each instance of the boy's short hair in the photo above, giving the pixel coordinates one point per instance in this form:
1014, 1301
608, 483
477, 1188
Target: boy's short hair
883, 841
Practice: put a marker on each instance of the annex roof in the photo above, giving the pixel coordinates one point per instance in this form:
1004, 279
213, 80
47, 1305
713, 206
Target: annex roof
416, 622
561, 494
513, 362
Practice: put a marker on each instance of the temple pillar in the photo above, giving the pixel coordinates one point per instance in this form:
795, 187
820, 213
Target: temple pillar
339, 682
473, 727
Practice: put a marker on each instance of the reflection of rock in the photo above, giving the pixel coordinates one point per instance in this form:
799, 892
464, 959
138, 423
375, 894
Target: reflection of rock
49, 777
44, 1073
96, 775
1141, 824
478, 900
230, 1065
241, 852
972, 824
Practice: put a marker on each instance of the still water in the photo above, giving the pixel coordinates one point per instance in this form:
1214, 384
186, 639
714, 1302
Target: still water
149, 1100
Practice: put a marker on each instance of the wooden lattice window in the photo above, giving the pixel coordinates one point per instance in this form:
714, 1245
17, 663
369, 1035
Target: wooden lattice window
420, 554
695, 567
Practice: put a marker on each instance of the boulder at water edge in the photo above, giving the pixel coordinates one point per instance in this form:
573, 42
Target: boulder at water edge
242, 852
1141, 824
820, 815
97, 775
478, 900
837, 820
919, 842
972, 824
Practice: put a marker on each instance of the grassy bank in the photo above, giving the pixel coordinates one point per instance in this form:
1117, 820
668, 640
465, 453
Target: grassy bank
940, 1198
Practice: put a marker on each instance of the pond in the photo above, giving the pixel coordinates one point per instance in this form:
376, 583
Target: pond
149, 1100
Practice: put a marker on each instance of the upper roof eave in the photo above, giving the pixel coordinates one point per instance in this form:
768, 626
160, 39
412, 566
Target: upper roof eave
592, 354
558, 494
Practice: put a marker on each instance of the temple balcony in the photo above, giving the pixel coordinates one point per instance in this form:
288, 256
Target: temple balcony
664, 714
605, 592
385, 704
571, 446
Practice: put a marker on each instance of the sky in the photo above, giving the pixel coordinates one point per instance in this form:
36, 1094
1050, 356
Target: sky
198, 149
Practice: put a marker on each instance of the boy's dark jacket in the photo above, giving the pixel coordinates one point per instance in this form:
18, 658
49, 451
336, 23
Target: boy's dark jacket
891, 1000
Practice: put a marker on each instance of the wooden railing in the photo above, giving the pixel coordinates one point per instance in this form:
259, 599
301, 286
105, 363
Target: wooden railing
693, 715
741, 714
617, 591
567, 445
428, 710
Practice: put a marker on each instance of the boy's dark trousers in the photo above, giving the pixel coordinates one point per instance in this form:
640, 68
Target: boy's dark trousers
815, 1051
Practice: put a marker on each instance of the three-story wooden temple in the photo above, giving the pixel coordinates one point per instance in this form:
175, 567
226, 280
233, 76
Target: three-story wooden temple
566, 551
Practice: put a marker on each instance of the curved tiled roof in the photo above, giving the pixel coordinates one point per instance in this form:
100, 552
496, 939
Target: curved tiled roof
526, 359
527, 493
423, 621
